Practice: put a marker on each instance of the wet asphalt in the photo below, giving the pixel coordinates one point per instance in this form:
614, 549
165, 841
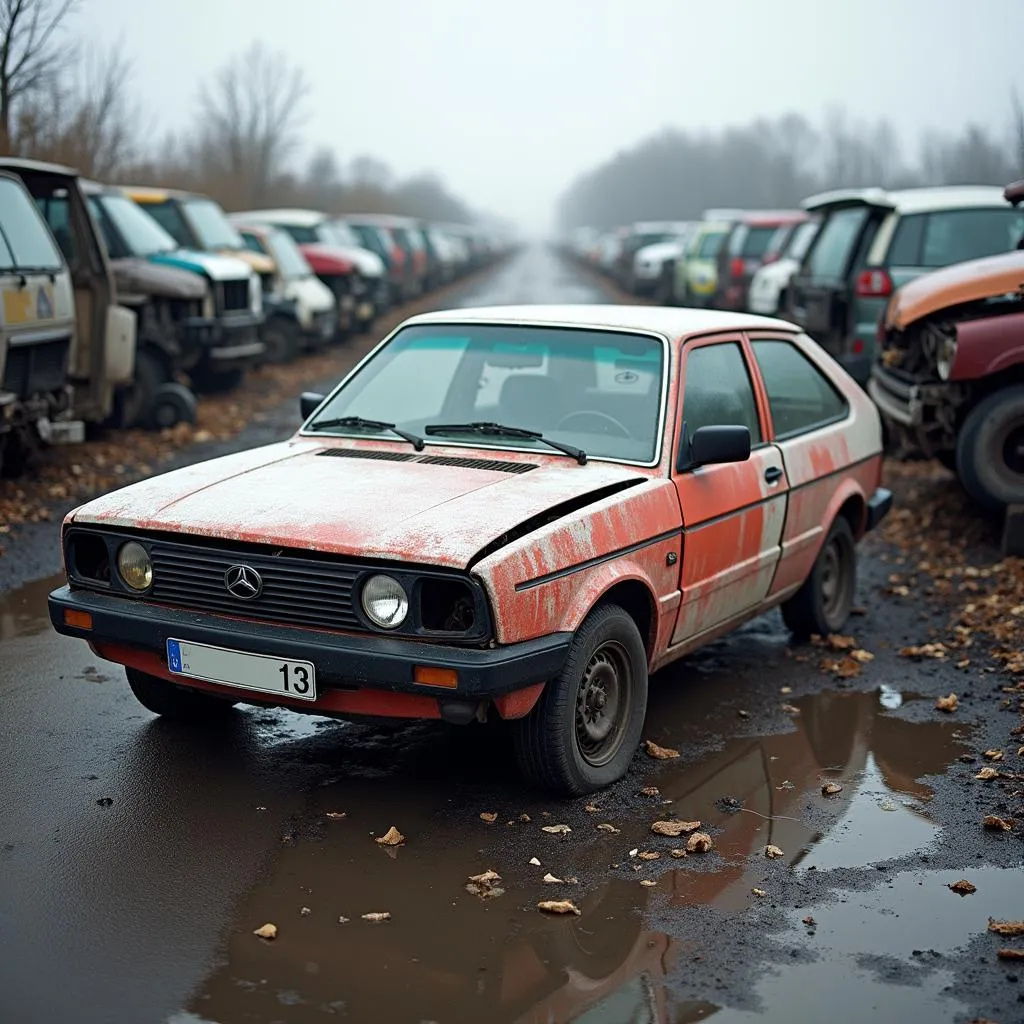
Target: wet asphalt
137, 858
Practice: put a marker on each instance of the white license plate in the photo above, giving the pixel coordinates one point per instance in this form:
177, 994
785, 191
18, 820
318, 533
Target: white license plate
296, 679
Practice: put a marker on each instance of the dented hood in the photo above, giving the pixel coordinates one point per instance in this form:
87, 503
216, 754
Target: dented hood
972, 281
291, 495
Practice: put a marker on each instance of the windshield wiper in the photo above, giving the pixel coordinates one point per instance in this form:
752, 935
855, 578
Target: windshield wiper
364, 424
482, 428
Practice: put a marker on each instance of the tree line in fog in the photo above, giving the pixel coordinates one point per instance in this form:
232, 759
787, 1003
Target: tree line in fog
74, 104
773, 163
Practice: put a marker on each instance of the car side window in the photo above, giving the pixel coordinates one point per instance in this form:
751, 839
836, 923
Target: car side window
170, 218
717, 391
800, 396
905, 250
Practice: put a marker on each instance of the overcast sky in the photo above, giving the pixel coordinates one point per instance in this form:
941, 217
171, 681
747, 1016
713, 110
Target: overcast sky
509, 101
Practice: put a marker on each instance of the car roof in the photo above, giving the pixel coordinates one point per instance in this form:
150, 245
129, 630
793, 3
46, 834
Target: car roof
300, 218
387, 220
670, 322
771, 218
155, 194
910, 200
39, 166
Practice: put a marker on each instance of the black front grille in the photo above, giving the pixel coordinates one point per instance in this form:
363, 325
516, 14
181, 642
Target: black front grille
366, 453
296, 591
36, 369
492, 465
234, 295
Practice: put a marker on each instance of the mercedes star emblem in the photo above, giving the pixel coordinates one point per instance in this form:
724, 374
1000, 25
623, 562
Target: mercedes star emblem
243, 582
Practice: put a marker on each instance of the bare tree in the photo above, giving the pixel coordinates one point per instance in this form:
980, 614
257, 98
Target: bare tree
31, 52
1018, 130
252, 113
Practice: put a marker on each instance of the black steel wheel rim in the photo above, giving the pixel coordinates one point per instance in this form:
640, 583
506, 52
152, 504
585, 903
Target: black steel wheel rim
603, 703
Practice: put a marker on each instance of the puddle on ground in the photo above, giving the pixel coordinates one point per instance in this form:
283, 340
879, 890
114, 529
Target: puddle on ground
446, 955
23, 610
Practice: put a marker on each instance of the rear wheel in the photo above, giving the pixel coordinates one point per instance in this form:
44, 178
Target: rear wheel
175, 702
584, 730
822, 605
990, 449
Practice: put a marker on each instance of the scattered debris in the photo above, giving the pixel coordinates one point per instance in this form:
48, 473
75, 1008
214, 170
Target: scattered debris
267, 931
862, 656
997, 824
391, 838
699, 842
810, 922
772, 852
743, 714
343, 920
831, 788
930, 650
534, 862
963, 887
674, 828
678, 854
786, 784
650, 791
648, 881
633, 853
549, 878
104, 801
993, 755
558, 907
377, 916
729, 804
524, 817
336, 815
659, 753
1010, 954
841, 643
785, 690
305, 912
556, 830
610, 829
591, 808
1006, 928
947, 703
649, 855
759, 892
488, 816
485, 885
790, 709
987, 773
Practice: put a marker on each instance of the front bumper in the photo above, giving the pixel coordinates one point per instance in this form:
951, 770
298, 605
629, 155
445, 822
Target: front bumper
879, 506
342, 660
226, 341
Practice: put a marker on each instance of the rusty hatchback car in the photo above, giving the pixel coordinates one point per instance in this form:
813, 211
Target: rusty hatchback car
516, 511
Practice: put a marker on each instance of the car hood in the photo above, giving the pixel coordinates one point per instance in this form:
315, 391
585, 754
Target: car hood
310, 293
139, 276
290, 495
954, 285
212, 265
659, 252
326, 259
369, 264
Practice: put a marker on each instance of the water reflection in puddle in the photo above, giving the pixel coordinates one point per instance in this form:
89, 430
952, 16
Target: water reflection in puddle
23, 610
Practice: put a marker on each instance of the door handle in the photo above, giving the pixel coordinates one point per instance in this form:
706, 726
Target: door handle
773, 474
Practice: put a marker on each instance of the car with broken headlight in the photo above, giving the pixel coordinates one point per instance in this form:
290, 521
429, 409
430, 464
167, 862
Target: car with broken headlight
513, 513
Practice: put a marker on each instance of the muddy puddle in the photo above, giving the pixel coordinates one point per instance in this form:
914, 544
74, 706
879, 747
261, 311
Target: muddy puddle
23, 609
447, 955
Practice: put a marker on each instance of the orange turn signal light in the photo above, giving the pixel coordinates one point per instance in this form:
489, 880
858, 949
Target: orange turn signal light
427, 676
80, 620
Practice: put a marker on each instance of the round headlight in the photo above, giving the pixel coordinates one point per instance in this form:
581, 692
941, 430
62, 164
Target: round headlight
385, 601
946, 357
134, 566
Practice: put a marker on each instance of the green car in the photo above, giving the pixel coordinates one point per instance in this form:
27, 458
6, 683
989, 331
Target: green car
696, 274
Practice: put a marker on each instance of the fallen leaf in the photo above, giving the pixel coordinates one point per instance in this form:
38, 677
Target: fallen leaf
809, 921
610, 829
786, 784
1020, 751
486, 878
987, 773
343, 920
391, 838
659, 753
535, 862
591, 808
551, 878
963, 887
831, 788
773, 852
841, 643
743, 714
699, 842
1010, 954
488, 816
524, 817
305, 911
785, 690
556, 830
993, 755
266, 931
647, 881
759, 892
930, 650
947, 703
377, 916
485, 885
649, 855
1006, 927
791, 709
558, 907
887, 805
650, 791
845, 667
673, 828
677, 853
997, 824
963, 663
862, 656
335, 815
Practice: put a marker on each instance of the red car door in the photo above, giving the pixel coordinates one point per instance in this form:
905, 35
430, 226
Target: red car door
733, 513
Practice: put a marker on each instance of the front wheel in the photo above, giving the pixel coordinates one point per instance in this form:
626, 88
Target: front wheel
822, 605
176, 702
585, 728
990, 450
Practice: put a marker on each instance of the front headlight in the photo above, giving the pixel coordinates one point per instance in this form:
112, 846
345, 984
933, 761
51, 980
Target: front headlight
385, 601
255, 293
209, 303
134, 565
946, 357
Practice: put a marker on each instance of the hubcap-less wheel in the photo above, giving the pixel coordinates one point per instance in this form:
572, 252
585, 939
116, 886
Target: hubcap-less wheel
601, 705
836, 593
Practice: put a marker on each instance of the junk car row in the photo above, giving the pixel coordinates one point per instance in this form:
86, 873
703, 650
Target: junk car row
121, 303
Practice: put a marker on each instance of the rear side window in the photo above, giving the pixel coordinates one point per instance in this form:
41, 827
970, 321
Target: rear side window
302, 235
28, 243
800, 241
830, 256
717, 391
756, 242
905, 250
800, 396
952, 236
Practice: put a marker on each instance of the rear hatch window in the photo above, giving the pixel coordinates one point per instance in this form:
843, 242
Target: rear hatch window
944, 237
829, 259
709, 245
751, 242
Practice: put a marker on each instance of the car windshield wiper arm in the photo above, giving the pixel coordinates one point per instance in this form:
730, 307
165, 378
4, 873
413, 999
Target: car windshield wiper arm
487, 429
360, 423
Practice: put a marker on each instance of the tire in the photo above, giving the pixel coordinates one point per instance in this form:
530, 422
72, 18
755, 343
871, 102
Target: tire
606, 652
207, 381
176, 702
133, 404
172, 404
990, 449
823, 604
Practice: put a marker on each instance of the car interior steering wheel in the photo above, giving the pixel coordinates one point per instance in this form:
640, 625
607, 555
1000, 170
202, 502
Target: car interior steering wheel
620, 428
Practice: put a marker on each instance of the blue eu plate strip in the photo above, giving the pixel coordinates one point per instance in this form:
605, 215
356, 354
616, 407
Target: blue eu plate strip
174, 655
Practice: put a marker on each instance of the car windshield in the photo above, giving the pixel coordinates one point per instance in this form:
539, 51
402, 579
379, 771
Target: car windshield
709, 245
342, 233
598, 390
25, 243
140, 234
211, 225
831, 253
287, 255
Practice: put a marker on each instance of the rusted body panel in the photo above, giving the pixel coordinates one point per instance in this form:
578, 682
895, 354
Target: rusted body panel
988, 345
956, 285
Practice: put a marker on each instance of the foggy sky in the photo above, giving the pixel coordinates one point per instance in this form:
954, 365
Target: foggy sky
509, 101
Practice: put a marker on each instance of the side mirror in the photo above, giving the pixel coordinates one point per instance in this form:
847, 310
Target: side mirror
309, 402
712, 445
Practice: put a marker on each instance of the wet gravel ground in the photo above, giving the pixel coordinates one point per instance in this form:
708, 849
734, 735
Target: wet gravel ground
136, 858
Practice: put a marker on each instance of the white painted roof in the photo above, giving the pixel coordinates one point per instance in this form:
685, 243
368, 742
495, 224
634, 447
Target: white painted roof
672, 322
299, 218
913, 200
